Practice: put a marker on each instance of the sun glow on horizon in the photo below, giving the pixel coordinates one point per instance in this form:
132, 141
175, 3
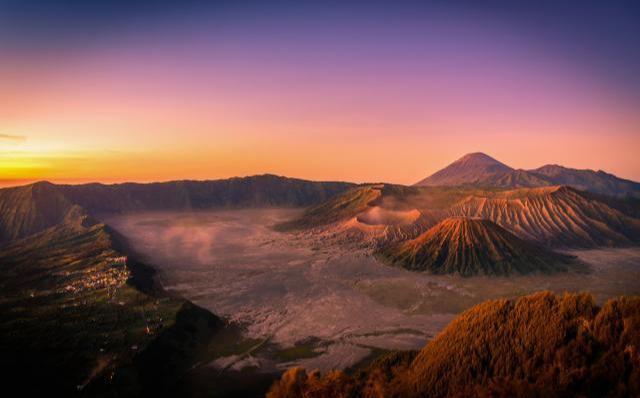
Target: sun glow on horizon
344, 98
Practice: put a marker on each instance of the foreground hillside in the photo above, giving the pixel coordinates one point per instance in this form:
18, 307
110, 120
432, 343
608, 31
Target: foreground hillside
470, 246
541, 345
76, 316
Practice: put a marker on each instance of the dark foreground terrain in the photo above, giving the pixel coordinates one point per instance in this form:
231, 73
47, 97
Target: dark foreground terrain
78, 319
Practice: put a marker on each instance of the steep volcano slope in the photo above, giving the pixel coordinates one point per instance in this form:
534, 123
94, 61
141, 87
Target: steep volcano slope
30, 209
556, 216
472, 246
478, 169
482, 171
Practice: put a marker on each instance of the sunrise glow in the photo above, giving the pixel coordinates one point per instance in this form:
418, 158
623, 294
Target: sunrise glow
209, 94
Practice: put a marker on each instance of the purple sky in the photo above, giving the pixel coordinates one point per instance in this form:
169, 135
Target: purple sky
209, 90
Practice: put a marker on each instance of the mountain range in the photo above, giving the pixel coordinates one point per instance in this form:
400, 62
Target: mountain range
522, 208
481, 170
111, 329
29, 209
555, 216
477, 216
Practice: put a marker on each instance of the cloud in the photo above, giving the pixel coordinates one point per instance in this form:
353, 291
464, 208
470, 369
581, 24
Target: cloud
12, 137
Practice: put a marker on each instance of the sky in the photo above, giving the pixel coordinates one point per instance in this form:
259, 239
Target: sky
116, 91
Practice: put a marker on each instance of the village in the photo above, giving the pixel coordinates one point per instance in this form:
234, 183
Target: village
110, 277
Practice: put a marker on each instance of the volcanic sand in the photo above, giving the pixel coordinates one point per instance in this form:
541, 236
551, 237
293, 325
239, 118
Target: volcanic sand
323, 305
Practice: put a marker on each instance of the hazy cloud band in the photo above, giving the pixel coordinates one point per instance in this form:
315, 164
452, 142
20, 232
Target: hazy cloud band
12, 137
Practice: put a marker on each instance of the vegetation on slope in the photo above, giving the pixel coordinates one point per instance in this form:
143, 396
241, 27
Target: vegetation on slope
73, 316
540, 345
472, 246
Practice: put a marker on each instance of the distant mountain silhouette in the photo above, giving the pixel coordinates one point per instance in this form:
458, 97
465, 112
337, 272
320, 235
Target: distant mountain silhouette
260, 190
472, 246
482, 171
589, 180
29, 209
478, 169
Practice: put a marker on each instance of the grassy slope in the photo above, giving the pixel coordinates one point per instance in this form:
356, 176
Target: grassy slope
564, 345
69, 316
540, 345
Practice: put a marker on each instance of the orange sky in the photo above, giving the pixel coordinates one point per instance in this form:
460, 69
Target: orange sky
113, 131
374, 105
